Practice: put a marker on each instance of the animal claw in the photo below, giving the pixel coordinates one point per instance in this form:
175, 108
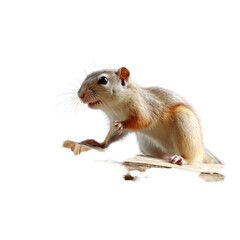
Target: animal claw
177, 160
118, 126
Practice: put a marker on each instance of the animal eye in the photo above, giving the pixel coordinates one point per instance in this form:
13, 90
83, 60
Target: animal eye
103, 80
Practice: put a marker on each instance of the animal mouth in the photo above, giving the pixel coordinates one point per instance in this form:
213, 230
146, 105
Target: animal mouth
92, 104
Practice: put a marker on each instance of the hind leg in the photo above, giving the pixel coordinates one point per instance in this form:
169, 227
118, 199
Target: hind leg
149, 148
186, 136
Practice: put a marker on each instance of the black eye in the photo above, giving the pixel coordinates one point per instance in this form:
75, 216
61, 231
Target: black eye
103, 80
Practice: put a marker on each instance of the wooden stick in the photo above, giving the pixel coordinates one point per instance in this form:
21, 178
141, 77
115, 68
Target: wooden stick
148, 162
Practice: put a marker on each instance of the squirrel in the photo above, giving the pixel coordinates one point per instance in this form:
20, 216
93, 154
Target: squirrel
164, 123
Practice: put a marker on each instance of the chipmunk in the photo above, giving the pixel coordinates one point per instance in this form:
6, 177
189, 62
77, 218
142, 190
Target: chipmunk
165, 125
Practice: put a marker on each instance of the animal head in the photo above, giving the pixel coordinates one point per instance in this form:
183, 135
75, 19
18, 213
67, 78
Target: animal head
103, 89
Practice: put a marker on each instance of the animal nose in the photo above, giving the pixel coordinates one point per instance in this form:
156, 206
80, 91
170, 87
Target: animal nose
81, 95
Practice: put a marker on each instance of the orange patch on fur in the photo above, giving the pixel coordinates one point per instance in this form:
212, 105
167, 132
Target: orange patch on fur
174, 108
135, 123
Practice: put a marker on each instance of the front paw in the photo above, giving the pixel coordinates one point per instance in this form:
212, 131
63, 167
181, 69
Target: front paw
177, 160
119, 127
92, 143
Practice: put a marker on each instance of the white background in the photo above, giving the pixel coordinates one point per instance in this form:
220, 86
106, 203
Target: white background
191, 47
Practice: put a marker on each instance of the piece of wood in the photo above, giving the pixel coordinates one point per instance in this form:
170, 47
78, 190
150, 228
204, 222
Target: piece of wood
212, 177
148, 162
75, 147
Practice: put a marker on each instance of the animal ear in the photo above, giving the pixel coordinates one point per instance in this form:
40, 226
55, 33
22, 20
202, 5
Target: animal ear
123, 74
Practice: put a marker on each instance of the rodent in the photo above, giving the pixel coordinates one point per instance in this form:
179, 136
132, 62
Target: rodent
165, 124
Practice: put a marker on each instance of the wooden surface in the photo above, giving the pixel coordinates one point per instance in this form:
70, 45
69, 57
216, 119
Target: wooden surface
208, 172
148, 162
78, 148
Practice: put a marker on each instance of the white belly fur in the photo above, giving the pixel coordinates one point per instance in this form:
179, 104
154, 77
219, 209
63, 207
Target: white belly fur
159, 137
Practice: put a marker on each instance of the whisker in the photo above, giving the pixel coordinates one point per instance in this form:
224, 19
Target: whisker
73, 109
69, 90
66, 100
73, 103
75, 86
78, 81
66, 94
76, 106
69, 106
79, 104
85, 71
69, 99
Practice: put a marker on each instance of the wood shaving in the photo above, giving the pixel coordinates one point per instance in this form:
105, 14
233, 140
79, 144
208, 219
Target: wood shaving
75, 147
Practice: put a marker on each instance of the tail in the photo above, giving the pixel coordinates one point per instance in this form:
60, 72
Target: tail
210, 158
